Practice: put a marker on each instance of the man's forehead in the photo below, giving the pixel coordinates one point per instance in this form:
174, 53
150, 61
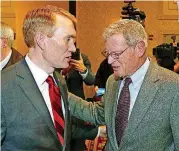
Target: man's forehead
116, 39
115, 43
65, 31
63, 21
64, 26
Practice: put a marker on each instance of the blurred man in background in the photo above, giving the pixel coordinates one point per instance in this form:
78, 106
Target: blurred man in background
9, 55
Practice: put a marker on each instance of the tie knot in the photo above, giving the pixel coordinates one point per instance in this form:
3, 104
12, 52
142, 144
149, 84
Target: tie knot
50, 80
127, 81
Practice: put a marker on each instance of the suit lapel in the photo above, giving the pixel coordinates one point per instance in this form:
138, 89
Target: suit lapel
30, 88
144, 99
63, 90
15, 57
112, 112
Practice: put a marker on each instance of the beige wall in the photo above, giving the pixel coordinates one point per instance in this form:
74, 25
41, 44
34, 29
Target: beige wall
18, 10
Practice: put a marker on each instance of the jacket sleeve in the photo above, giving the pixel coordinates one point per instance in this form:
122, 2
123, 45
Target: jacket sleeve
80, 130
90, 78
3, 126
92, 112
174, 119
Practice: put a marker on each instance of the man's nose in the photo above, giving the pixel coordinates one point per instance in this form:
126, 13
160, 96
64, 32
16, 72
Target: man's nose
73, 48
110, 59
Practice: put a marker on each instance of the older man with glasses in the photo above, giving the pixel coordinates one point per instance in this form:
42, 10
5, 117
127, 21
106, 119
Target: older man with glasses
9, 55
141, 104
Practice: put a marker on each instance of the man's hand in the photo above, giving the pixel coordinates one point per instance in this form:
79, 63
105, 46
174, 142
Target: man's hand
176, 67
78, 64
96, 89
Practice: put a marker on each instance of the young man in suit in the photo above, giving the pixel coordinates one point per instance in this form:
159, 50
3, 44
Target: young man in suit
35, 114
141, 104
9, 55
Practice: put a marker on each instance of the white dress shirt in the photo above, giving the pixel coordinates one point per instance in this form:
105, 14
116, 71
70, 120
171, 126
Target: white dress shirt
134, 87
83, 75
40, 77
5, 61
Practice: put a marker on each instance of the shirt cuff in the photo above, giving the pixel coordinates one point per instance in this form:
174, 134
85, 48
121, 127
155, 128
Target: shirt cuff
84, 74
98, 131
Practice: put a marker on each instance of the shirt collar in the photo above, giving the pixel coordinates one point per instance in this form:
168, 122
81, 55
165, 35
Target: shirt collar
39, 75
6, 60
139, 75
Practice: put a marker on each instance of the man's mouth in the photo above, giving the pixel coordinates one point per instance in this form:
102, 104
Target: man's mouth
69, 57
115, 68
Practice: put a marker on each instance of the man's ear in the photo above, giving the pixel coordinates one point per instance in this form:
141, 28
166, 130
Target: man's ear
4, 42
40, 40
140, 48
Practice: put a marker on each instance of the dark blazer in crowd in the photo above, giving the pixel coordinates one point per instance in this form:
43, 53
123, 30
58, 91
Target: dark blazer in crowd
103, 72
75, 81
15, 57
75, 86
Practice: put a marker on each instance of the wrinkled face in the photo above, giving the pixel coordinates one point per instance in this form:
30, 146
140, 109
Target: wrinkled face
59, 47
122, 57
3, 42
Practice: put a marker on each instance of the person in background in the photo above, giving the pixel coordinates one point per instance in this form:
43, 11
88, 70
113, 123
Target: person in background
140, 106
176, 66
142, 16
103, 72
9, 55
78, 72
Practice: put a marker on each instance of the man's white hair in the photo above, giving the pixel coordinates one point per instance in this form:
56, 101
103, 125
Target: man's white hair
132, 31
7, 32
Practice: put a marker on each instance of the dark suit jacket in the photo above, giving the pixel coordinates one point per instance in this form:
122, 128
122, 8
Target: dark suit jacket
154, 122
75, 86
75, 81
103, 72
26, 124
15, 57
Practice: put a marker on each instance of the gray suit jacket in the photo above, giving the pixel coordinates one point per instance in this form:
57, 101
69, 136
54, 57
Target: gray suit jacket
26, 124
154, 121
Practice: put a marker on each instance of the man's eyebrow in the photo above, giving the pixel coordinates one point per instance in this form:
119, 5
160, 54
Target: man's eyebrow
70, 36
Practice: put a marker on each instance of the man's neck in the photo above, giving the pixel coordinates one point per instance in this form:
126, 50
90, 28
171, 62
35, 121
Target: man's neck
38, 59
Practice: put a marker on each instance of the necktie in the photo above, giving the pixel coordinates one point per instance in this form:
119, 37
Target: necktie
55, 99
122, 110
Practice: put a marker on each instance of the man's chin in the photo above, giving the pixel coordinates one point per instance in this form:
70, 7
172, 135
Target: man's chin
117, 76
64, 66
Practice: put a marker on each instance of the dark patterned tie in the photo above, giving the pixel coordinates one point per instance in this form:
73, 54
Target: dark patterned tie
122, 110
55, 99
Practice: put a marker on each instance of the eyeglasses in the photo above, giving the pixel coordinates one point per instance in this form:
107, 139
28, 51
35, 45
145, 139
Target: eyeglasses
114, 55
